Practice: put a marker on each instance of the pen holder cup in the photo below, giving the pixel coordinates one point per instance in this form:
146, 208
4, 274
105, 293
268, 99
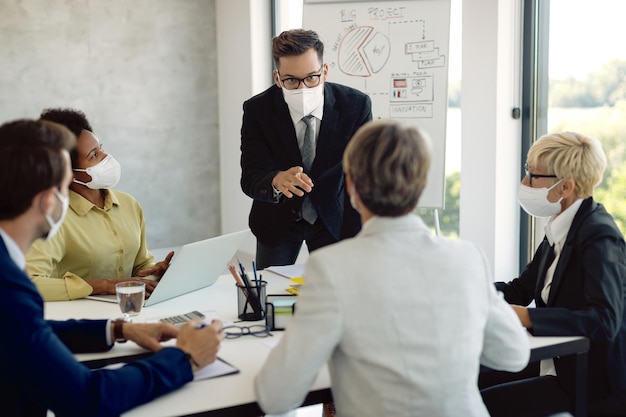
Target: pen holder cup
279, 308
251, 301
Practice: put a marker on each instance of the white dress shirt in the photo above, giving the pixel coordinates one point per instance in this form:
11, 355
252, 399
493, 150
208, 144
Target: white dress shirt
15, 253
300, 127
556, 231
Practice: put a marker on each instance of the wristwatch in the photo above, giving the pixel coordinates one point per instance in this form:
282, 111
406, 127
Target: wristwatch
118, 332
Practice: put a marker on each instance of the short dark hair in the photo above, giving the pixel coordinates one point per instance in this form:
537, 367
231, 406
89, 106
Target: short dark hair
296, 42
31, 161
74, 120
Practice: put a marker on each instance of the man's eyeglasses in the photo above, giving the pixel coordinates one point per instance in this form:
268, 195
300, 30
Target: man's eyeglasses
531, 175
258, 330
309, 81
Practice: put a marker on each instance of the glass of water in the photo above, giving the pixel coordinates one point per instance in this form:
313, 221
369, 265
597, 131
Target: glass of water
130, 297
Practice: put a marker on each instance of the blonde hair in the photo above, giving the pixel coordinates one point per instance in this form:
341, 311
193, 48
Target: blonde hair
571, 155
389, 164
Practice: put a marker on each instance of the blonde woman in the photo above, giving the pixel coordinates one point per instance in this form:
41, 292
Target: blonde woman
577, 280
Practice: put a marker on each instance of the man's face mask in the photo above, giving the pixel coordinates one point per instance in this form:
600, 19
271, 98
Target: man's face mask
304, 100
55, 225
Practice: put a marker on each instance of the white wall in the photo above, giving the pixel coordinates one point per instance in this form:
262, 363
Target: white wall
244, 68
490, 137
144, 72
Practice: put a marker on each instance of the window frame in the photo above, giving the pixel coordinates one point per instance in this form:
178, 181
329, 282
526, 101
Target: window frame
535, 84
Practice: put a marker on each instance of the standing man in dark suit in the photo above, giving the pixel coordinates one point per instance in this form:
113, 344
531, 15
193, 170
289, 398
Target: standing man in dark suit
37, 368
292, 141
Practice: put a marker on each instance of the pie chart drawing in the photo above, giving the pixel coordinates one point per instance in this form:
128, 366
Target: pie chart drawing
363, 52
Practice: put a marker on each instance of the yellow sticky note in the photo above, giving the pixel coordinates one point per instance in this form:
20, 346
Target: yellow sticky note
298, 280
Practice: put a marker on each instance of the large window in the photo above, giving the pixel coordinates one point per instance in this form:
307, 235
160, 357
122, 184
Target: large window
449, 217
575, 79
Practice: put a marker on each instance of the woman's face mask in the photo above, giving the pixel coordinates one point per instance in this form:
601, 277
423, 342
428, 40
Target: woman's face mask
105, 174
535, 201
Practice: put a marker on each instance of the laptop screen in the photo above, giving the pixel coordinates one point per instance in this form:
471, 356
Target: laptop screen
195, 265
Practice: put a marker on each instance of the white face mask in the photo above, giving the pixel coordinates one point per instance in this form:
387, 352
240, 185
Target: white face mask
105, 174
535, 202
304, 100
54, 226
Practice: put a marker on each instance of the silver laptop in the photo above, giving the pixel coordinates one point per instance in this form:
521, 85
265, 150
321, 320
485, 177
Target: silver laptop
195, 265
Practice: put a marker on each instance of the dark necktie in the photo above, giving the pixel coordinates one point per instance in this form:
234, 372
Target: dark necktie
308, 145
549, 258
308, 154
546, 260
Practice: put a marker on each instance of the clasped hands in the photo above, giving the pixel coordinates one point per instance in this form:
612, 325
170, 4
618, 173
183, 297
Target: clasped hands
293, 181
149, 276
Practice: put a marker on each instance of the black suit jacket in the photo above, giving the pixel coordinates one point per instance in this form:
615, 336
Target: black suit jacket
587, 298
269, 145
38, 370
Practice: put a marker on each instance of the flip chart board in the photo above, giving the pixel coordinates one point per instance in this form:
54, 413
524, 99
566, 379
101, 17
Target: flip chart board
397, 53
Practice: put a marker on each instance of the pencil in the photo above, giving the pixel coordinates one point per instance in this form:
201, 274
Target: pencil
233, 272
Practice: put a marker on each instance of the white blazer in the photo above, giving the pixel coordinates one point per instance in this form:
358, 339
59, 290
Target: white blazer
403, 319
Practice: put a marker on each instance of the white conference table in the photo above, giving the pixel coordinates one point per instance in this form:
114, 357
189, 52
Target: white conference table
229, 395
546, 347
233, 395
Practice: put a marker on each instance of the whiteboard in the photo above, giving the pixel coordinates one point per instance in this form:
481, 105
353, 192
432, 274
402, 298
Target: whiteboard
397, 53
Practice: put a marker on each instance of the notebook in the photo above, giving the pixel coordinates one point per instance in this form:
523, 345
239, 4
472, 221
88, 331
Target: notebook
195, 265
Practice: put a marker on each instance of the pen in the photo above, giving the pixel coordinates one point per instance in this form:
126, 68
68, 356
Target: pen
200, 326
241, 268
254, 299
240, 283
256, 280
244, 276
257, 283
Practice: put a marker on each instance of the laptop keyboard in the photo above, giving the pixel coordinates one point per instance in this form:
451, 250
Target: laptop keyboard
181, 319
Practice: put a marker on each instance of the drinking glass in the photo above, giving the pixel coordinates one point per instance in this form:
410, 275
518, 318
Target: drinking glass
130, 297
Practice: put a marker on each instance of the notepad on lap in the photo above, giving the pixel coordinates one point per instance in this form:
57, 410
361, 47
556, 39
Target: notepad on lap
196, 265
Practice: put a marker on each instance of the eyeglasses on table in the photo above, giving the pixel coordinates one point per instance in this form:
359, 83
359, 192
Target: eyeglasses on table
257, 330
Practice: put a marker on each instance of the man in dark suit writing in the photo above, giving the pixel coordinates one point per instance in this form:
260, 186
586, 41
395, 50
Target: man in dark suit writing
37, 368
292, 141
